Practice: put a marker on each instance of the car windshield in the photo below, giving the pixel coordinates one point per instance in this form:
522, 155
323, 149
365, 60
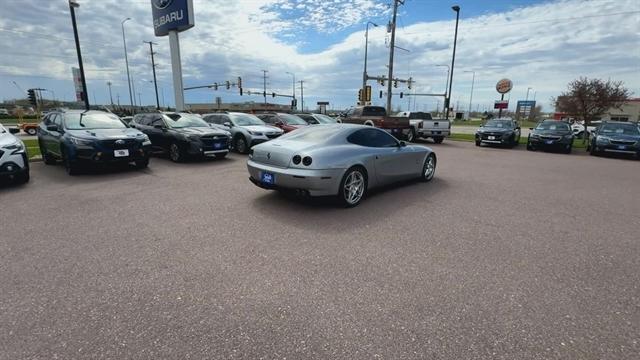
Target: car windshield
292, 119
73, 121
245, 120
553, 125
324, 119
184, 121
311, 134
620, 129
507, 124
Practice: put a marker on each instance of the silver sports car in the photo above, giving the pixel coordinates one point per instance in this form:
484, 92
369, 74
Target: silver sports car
337, 160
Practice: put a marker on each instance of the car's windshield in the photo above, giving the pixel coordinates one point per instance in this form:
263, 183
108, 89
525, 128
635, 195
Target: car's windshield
184, 121
507, 124
292, 119
553, 125
620, 129
245, 120
74, 121
324, 119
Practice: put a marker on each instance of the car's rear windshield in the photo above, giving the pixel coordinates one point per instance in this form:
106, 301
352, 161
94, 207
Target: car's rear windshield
420, 115
620, 129
73, 121
185, 121
311, 134
292, 119
507, 124
553, 125
374, 111
245, 120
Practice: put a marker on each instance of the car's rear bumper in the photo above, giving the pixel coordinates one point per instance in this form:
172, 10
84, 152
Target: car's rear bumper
432, 132
316, 182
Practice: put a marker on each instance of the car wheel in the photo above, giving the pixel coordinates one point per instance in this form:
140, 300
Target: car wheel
478, 142
353, 187
530, 147
24, 177
429, 168
31, 131
515, 141
411, 135
221, 156
46, 157
592, 150
175, 153
567, 150
438, 140
70, 166
240, 144
142, 164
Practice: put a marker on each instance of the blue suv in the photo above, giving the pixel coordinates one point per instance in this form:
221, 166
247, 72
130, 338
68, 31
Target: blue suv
615, 137
81, 138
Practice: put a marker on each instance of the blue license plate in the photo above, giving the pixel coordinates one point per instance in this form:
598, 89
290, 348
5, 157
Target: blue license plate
267, 178
549, 142
621, 147
217, 145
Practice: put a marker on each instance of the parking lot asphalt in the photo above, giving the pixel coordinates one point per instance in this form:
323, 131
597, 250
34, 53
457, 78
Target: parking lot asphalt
506, 254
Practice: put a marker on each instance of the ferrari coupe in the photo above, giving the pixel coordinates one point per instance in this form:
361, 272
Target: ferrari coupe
340, 160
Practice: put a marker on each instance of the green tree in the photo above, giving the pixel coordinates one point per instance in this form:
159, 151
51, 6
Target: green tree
588, 99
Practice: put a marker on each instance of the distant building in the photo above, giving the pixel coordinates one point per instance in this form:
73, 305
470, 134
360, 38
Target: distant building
629, 111
250, 107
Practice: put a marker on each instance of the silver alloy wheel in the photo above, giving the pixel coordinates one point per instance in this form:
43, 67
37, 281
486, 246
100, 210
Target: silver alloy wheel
429, 168
411, 135
353, 187
174, 152
241, 145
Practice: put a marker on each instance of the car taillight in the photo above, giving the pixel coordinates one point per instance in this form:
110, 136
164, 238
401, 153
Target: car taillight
307, 160
297, 159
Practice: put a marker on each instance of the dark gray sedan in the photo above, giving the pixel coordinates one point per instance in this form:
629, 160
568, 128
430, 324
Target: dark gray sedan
338, 160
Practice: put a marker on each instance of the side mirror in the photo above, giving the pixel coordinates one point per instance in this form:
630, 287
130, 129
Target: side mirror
52, 127
402, 144
227, 124
14, 130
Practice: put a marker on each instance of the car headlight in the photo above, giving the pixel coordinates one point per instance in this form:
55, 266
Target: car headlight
145, 139
80, 141
255, 133
602, 140
15, 148
193, 137
535, 136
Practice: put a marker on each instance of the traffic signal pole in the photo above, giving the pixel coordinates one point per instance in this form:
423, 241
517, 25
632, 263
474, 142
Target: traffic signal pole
391, 49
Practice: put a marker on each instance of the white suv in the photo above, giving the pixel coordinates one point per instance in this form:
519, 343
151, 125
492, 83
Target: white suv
13, 157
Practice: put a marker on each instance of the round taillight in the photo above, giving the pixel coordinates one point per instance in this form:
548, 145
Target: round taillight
297, 159
307, 161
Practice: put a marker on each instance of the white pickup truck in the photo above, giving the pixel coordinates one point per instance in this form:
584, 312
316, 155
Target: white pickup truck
424, 126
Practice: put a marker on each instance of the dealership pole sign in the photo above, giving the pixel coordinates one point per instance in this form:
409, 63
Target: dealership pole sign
169, 18
77, 84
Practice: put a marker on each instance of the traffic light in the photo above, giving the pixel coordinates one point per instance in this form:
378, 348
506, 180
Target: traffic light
215, 86
446, 103
410, 82
32, 97
273, 94
381, 82
395, 83
367, 93
228, 84
360, 95
380, 94
239, 82
401, 95
294, 103
240, 91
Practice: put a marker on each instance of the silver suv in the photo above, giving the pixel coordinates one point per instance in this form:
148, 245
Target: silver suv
13, 157
246, 130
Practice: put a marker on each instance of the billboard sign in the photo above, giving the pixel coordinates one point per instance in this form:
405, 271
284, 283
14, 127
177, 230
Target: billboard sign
524, 107
504, 86
501, 104
77, 83
171, 15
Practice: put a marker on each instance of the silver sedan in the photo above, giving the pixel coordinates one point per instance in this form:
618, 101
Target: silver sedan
338, 160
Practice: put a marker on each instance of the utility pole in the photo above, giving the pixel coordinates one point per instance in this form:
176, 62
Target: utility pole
264, 83
118, 97
72, 5
392, 47
302, 95
473, 81
455, 8
140, 100
153, 67
366, 46
110, 96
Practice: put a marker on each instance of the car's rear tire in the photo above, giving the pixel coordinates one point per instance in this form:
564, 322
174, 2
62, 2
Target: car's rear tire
353, 187
175, 153
438, 139
429, 168
240, 144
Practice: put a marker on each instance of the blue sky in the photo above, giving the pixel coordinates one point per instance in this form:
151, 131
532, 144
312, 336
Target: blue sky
540, 45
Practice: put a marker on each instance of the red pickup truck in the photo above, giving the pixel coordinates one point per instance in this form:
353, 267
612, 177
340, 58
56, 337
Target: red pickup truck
376, 116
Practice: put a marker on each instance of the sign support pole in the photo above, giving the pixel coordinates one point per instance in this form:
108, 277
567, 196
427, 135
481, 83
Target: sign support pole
500, 110
176, 67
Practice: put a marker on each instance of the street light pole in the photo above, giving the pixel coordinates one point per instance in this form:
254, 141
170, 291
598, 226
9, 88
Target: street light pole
153, 67
302, 95
366, 46
126, 61
455, 8
446, 87
293, 87
110, 95
473, 81
72, 5
391, 50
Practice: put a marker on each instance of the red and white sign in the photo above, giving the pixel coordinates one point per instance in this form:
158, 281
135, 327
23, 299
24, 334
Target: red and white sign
504, 86
501, 104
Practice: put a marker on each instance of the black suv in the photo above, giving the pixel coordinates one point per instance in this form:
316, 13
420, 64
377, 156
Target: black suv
551, 134
90, 137
616, 137
503, 131
182, 135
